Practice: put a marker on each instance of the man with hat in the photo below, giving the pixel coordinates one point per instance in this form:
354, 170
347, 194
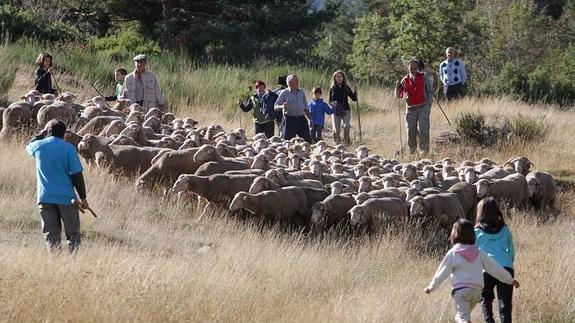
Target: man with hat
141, 86
58, 172
296, 113
262, 105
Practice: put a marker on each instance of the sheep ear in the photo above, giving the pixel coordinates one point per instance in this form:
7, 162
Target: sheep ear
245, 197
529, 163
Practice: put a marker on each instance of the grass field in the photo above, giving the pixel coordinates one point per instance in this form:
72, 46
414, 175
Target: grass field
147, 259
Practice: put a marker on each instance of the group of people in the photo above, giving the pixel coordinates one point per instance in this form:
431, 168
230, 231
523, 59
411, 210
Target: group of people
140, 86
307, 120
295, 116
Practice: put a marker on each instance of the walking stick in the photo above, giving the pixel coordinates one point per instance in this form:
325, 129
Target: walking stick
400, 125
357, 112
100, 94
56, 82
440, 108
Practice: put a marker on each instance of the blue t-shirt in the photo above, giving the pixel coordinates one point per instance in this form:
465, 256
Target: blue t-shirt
56, 161
318, 109
498, 246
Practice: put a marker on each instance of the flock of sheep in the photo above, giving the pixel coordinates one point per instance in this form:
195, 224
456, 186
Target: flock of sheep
285, 182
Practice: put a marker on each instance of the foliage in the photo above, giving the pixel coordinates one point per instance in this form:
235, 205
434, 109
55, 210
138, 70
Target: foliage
125, 44
472, 128
17, 23
528, 130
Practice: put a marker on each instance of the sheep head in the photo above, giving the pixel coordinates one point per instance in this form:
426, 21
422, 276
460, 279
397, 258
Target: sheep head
260, 162
533, 185
364, 184
182, 183
338, 187
361, 152
357, 215
417, 185
417, 206
521, 164
319, 214
240, 201
482, 187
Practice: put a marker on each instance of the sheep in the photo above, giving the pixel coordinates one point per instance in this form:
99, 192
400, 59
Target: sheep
113, 128
496, 173
378, 212
276, 177
520, 164
362, 197
541, 190
443, 209
120, 159
57, 110
210, 187
332, 210
16, 120
282, 205
340, 188
97, 125
167, 166
512, 188
467, 198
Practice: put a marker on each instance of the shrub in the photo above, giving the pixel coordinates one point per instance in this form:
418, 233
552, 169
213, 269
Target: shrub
526, 130
18, 23
471, 127
124, 45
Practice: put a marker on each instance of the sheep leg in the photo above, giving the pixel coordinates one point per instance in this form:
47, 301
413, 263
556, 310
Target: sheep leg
204, 212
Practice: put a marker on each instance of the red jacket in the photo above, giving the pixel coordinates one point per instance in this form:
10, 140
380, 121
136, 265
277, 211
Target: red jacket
415, 91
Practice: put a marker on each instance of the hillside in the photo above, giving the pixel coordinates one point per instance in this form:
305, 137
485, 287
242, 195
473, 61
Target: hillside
147, 259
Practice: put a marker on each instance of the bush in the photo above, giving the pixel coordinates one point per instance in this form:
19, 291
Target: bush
125, 45
527, 130
472, 129
17, 23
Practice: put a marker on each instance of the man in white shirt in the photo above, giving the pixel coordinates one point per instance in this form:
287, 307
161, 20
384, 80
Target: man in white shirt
141, 86
452, 74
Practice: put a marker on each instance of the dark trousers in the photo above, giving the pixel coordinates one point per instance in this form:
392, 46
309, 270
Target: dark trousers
52, 217
454, 91
504, 295
296, 126
316, 132
267, 128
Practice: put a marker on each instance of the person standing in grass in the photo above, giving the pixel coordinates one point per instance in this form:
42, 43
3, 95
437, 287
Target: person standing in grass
58, 172
43, 80
416, 88
464, 264
119, 76
318, 109
294, 106
142, 87
494, 238
338, 94
262, 104
452, 74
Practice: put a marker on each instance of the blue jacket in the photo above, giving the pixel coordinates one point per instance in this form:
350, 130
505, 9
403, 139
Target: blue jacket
498, 246
318, 109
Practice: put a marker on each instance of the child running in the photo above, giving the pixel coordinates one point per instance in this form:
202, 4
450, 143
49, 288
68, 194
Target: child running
494, 238
464, 264
318, 110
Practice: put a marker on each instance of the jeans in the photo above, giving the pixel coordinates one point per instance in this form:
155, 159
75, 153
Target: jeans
413, 118
296, 125
346, 118
316, 132
52, 217
504, 295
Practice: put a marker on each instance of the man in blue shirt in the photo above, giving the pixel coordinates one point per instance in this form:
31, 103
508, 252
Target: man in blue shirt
58, 172
452, 74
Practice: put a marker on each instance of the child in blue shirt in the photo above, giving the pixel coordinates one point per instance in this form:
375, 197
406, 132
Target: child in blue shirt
318, 109
494, 238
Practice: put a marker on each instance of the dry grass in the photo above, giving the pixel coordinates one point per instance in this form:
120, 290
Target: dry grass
145, 259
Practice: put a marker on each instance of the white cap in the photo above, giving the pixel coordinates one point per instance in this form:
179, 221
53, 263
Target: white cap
139, 57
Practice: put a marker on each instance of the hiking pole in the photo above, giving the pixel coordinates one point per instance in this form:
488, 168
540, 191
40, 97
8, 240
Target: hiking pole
81, 209
358, 113
440, 108
100, 94
400, 125
56, 82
